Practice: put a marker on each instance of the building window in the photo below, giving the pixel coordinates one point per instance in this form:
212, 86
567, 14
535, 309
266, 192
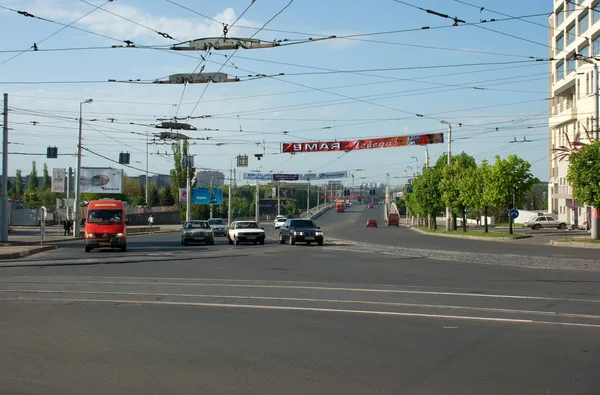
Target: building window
596, 12
585, 51
570, 7
571, 34
560, 43
560, 16
596, 46
583, 23
560, 71
571, 64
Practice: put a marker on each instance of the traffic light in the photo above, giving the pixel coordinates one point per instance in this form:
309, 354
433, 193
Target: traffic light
124, 158
52, 152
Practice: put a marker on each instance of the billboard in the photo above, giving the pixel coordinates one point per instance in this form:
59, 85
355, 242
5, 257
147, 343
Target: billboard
269, 206
295, 177
59, 178
285, 177
353, 145
258, 176
207, 196
101, 180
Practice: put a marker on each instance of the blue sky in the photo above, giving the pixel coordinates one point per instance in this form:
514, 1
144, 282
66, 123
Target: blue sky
486, 81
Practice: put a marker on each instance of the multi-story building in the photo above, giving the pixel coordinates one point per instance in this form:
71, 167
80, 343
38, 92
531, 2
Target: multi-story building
208, 178
574, 41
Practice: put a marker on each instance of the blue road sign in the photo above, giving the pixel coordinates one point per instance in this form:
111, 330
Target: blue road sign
514, 213
409, 190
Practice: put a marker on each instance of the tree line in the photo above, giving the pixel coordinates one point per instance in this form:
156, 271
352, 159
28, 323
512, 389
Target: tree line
467, 187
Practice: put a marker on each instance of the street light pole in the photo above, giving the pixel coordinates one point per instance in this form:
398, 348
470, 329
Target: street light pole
77, 204
308, 200
415, 158
449, 159
146, 167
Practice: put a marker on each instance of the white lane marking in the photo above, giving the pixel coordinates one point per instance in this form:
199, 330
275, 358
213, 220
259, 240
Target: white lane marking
341, 301
310, 309
391, 291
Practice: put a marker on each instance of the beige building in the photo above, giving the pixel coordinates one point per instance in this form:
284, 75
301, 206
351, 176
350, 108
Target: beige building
574, 30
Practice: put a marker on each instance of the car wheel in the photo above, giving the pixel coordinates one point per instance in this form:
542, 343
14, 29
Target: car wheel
236, 242
562, 226
281, 239
254, 242
87, 249
308, 243
184, 242
124, 248
292, 241
537, 227
262, 242
320, 243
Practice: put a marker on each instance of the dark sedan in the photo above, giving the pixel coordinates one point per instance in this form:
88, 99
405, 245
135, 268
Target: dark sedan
300, 231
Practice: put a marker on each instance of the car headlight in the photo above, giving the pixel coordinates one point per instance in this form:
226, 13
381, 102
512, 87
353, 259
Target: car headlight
187, 233
90, 235
300, 233
119, 234
317, 233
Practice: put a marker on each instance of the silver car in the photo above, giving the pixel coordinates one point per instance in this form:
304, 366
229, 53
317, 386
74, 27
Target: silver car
278, 223
544, 221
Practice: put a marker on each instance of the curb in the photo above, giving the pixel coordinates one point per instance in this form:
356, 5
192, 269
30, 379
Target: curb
467, 237
573, 244
21, 254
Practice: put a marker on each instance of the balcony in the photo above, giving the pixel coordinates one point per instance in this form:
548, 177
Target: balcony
563, 192
562, 114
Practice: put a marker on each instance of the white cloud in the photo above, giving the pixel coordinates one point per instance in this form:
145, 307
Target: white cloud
102, 22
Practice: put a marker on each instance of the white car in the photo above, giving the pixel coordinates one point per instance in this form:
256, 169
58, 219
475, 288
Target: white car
218, 226
245, 231
544, 221
278, 223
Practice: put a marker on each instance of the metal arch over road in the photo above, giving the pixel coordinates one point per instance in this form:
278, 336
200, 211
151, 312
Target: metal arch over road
378, 310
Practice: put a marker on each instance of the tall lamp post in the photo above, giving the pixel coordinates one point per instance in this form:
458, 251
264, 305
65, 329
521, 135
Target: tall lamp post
77, 204
449, 159
415, 158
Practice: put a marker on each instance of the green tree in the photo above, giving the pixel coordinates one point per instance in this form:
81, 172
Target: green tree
32, 185
153, 198
46, 180
131, 188
290, 208
584, 174
178, 173
165, 197
427, 194
473, 186
19, 186
31, 199
510, 182
449, 186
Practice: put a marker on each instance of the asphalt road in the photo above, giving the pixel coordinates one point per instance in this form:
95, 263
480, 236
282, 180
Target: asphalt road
351, 225
345, 318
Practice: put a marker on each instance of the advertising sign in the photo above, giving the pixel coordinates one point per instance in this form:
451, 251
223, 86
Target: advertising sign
258, 176
268, 206
353, 145
59, 178
206, 196
101, 180
285, 177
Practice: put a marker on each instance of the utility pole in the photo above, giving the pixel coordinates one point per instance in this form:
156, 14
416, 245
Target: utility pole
426, 158
257, 214
308, 200
278, 198
211, 191
147, 181
77, 205
4, 205
229, 199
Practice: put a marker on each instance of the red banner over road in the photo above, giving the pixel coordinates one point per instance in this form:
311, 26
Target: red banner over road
353, 145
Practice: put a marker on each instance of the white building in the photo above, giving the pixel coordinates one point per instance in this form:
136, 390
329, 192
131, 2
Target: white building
574, 29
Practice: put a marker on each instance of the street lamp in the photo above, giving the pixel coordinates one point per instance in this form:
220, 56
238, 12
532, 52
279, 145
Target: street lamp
449, 158
76, 208
415, 158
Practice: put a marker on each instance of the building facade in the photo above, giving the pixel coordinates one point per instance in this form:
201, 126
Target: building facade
574, 41
208, 178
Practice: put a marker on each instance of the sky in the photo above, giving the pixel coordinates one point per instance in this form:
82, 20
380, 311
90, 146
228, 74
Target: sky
393, 69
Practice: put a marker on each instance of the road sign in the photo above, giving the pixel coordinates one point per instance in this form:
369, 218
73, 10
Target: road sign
514, 213
372, 192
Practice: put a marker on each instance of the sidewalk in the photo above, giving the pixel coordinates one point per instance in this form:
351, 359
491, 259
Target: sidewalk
24, 241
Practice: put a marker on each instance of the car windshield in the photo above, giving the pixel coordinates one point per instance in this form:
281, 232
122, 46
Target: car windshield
216, 222
303, 224
281, 220
247, 225
197, 225
104, 216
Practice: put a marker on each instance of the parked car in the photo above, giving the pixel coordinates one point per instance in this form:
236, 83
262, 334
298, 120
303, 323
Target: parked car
245, 231
197, 232
371, 222
218, 226
544, 221
300, 231
279, 221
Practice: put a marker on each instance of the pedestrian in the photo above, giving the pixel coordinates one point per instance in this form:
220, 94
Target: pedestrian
478, 219
150, 223
66, 226
70, 226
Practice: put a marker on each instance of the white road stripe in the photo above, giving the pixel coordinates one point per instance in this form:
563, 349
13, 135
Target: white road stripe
341, 301
311, 309
367, 290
